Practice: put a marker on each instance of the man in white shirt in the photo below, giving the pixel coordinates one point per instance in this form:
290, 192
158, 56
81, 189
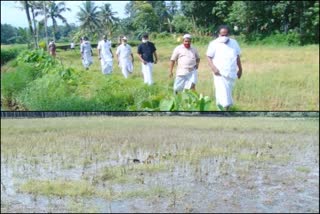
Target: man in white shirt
223, 56
125, 57
86, 53
105, 55
72, 45
188, 60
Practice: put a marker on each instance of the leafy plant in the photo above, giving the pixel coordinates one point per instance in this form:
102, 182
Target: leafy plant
186, 101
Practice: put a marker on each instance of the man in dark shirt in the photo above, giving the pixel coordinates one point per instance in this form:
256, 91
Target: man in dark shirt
146, 51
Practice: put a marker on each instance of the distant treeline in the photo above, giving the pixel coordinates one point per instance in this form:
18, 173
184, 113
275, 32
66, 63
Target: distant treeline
44, 114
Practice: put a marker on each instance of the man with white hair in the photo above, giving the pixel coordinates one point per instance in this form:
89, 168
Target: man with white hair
86, 53
188, 60
105, 55
123, 57
146, 51
223, 56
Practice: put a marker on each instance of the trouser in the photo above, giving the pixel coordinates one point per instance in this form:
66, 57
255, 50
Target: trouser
106, 66
147, 73
126, 67
185, 81
223, 90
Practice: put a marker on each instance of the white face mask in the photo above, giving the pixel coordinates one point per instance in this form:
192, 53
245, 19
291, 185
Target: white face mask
144, 40
223, 39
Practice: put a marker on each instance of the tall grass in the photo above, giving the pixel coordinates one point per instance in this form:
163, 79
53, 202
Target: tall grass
274, 78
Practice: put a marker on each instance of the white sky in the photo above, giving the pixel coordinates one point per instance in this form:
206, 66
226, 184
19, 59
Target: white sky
12, 15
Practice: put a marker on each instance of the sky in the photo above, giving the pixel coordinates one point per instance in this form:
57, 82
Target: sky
11, 14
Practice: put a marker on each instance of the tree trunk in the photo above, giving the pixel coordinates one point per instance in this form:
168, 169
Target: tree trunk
26, 8
54, 25
170, 25
45, 24
36, 36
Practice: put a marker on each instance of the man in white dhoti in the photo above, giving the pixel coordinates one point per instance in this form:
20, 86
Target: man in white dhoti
105, 55
146, 51
188, 60
223, 56
86, 53
125, 57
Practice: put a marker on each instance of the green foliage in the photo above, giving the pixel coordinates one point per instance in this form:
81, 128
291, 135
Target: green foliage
182, 24
12, 83
42, 45
8, 54
186, 101
145, 16
8, 34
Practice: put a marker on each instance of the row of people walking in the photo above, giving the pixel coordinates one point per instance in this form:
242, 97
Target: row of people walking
223, 56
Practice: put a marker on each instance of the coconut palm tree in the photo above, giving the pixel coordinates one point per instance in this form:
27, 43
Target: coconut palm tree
54, 13
89, 17
107, 17
26, 6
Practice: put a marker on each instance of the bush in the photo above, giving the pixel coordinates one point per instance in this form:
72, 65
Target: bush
292, 38
8, 54
12, 83
43, 45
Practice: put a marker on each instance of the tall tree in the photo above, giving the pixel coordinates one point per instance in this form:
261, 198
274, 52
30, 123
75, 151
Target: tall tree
108, 19
55, 11
145, 17
161, 11
26, 6
89, 18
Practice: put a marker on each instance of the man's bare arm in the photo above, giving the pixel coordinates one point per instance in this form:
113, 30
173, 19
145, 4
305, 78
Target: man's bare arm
172, 62
240, 67
214, 69
155, 57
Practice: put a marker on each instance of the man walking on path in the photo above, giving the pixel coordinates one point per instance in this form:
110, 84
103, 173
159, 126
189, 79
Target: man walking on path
125, 57
146, 51
188, 60
86, 53
52, 48
223, 56
105, 55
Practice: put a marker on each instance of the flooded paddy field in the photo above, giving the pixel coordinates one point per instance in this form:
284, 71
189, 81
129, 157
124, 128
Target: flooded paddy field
160, 164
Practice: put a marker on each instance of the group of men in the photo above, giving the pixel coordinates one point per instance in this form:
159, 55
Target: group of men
124, 55
223, 56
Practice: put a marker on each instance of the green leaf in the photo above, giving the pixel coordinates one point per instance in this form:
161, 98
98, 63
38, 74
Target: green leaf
166, 104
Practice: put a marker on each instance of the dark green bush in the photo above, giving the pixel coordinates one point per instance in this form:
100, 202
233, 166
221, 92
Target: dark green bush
8, 54
12, 83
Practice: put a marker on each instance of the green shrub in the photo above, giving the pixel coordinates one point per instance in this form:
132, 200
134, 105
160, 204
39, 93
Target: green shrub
12, 83
8, 54
186, 101
43, 45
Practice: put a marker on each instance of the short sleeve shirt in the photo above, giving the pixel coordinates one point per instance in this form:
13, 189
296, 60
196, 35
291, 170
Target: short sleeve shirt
224, 56
85, 47
124, 51
105, 47
146, 50
186, 59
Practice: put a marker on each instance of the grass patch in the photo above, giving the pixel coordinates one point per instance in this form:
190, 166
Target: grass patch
303, 169
274, 78
263, 158
157, 191
58, 188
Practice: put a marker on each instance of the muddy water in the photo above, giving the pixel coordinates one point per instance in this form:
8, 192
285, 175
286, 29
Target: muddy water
212, 184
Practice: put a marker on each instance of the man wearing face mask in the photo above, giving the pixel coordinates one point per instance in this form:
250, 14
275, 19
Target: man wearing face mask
188, 60
123, 56
223, 56
105, 55
146, 51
